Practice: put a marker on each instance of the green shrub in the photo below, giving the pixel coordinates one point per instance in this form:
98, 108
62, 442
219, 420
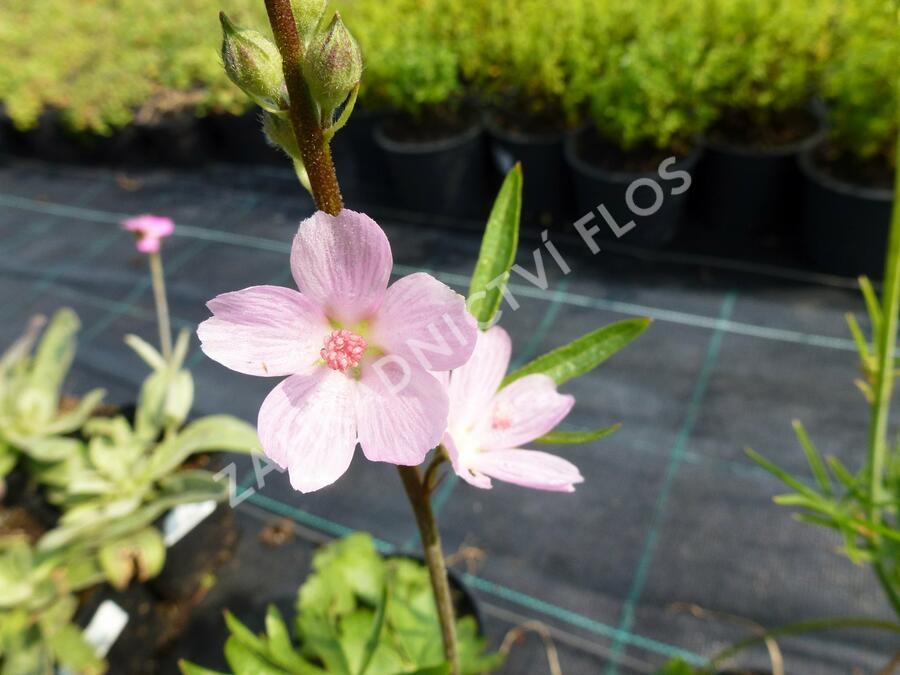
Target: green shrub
764, 55
409, 65
650, 87
526, 48
860, 82
101, 63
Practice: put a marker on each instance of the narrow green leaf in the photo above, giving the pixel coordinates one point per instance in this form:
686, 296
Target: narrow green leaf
498, 249
576, 437
781, 474
208, 434
148, 353
842, 474
861, 345
584, 354
242, 634
813, 457
56, 351
188, 668
872, 304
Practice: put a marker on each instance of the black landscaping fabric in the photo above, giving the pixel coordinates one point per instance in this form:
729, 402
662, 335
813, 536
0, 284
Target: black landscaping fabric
672, 546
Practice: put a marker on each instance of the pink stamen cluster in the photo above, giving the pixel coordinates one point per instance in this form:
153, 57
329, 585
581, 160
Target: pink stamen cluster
343, 349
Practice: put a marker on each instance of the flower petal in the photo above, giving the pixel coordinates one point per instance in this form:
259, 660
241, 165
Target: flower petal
474, 478
529, 468
401, 412
526, 409
342, 262
264, 330
307, 424
473, 385
426, 322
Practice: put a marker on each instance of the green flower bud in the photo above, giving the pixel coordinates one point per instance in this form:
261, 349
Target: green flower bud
333, 66
280, 134
253, 63
307, 15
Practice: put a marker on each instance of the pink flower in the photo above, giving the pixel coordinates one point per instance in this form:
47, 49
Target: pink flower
357, 353
149, 230
487, 427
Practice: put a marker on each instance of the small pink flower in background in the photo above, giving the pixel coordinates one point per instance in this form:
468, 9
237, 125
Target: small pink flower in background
149, 230
357, 353
487, 427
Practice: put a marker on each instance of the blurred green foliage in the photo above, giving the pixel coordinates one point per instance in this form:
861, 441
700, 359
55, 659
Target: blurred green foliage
645, 72
861, 80
356, 613
764, 55
104, 63
653, 86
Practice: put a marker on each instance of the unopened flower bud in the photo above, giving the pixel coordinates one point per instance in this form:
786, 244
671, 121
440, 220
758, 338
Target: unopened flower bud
253, 63
280, 133
307, 14
333, 65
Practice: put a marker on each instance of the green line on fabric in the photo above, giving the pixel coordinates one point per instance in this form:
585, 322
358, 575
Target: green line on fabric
461, 281
675, 458
581, 621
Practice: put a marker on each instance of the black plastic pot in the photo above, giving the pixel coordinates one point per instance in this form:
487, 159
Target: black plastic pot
658, 198
844, 227
175, 139
359, 160
744, 191
444, 177
547, 191
239, 139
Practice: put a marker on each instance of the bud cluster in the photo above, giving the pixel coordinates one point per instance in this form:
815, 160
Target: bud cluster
331, 65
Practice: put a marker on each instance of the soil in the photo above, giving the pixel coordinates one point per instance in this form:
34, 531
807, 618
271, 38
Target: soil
874, 172
434, 124
192, 562
24, 510
745, 129
604, 154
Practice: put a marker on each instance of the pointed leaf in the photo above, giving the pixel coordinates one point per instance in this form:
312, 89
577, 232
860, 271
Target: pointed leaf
74, 419
498, 249
212, 433
188, 668
146, 351
584, 354
56, 351
813, 457
576, 437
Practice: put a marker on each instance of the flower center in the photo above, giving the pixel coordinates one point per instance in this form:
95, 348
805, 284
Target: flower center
343, 349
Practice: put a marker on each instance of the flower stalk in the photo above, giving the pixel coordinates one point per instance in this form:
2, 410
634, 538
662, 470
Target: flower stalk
314, 148
162, 305
313, 143
884, 385
420, 499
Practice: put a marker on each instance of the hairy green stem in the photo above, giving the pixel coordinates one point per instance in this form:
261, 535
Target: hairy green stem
162, 305
314, 149
420, 499
884, 382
